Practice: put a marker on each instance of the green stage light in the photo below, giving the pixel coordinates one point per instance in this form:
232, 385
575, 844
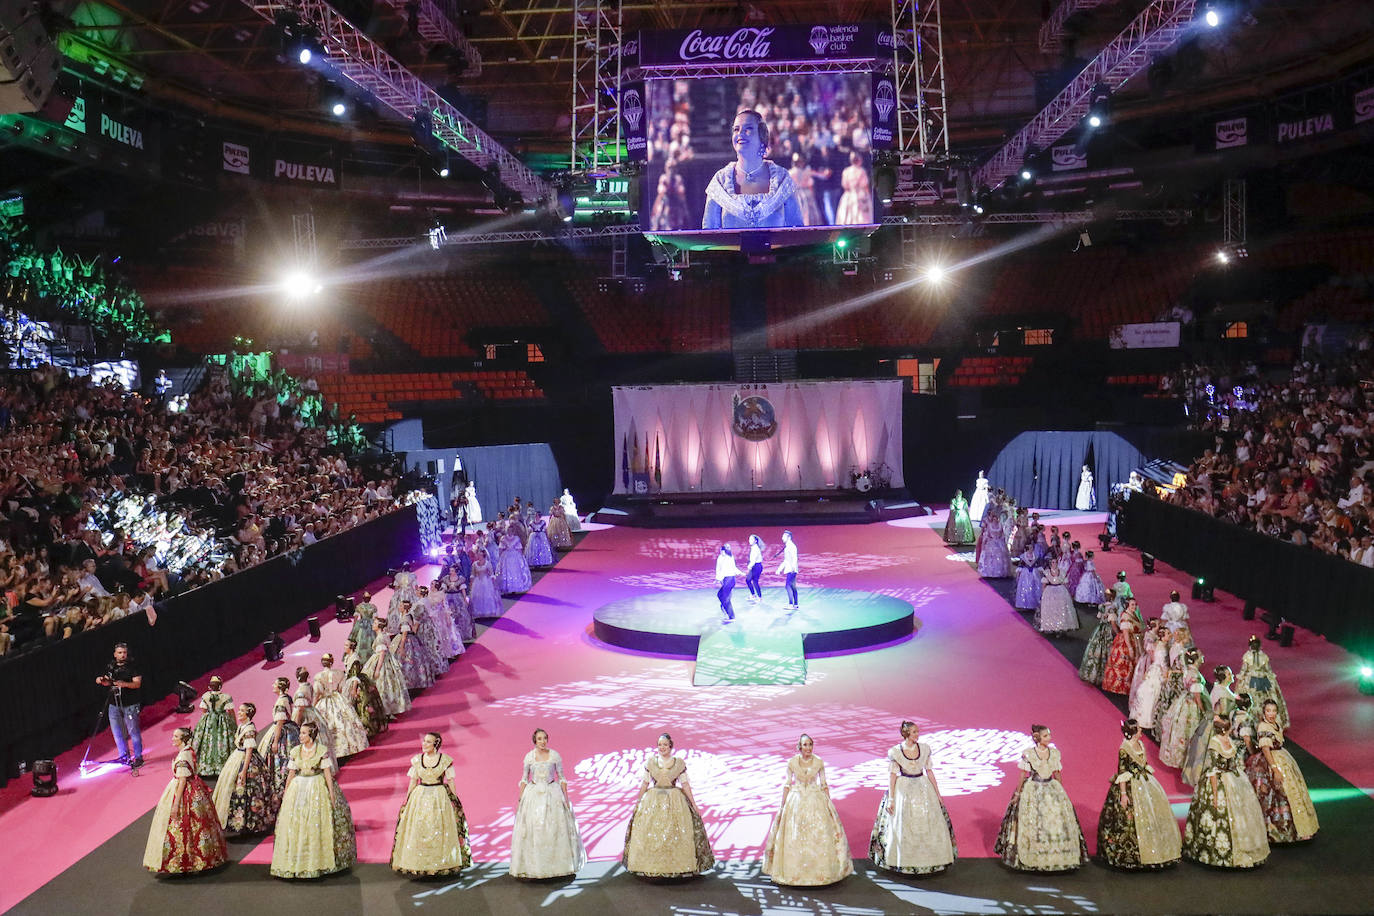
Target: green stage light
842, 243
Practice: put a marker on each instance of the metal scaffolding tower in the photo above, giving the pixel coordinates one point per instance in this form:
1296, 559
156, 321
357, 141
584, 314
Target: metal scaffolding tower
303, 235
1052, 32
1233, 217
596, 73
1154, 31
353, 55
918, 65
435, 26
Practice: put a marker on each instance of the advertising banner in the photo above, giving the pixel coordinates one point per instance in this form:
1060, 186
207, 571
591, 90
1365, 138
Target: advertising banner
634, 117
760, 44
1149, 335
884, 114
307, 164
1306, 116
1067, 158
1362, 105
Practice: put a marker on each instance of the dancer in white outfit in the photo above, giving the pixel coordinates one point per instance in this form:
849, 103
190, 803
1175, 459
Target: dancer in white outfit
789, 569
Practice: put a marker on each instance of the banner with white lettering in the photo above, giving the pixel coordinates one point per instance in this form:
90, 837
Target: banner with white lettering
307, 164
1067, 157
762, 44
1305, 116
884, 115
1147, 335
634, 121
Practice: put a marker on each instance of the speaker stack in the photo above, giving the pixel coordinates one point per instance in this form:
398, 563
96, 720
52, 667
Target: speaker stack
29, 61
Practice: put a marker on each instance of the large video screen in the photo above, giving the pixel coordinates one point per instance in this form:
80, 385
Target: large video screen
758, 152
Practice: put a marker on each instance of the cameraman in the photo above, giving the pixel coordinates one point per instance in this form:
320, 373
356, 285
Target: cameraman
124, 681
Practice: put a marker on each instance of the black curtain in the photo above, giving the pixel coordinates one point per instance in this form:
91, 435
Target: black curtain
48, 697
1041, 469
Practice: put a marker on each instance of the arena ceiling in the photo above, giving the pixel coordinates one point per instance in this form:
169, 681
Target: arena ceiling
220, 56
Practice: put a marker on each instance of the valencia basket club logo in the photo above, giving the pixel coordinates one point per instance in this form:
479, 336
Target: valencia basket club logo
820, 39
754, 418
632, 107
884, 99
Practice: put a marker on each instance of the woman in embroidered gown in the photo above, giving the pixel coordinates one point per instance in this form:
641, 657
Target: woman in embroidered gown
666, 838
545, 842
410, 654
1137, 829
806, 844
1151, 636
1056, 613
1146, 694
213, 737
538, 551
560, 535
1099, 646
474, 507
959, 527
978, 503
361, 692
751, 192
315, 825
1289, 815
275, 745
570, 511
386, 673
1089, 589
512, 572
1121, 660
484, 601
362, 633
1173, 684
402, 588
345, 728
1076, 562
185, 837
303, 710
456, 600
435, 604
1040, 830
243, 793
431, 830
994, 561
1086, 498
913, 834
1225, 826
1257, 679
1185, 712
806, 191
1222, 704
1028, 582
856, 203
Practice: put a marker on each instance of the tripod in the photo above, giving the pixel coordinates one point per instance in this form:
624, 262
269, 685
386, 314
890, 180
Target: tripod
113, 696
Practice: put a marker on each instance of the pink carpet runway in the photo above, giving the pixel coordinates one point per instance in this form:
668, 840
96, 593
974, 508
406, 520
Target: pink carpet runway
975, 676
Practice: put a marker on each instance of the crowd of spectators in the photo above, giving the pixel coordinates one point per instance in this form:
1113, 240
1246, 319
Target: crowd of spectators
109, 500
1292, 458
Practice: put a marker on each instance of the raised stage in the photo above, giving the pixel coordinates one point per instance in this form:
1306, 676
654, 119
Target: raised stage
803, 507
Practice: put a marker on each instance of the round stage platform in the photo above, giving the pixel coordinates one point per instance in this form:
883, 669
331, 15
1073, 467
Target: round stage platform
829, 620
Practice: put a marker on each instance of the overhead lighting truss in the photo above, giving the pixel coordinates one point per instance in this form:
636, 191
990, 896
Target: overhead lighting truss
1154, 31
596, 77
374, 71
435, 27
918, 61
1052, 32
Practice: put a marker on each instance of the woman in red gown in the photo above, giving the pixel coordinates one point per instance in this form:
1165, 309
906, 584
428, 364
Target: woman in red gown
186, 837
1116, 678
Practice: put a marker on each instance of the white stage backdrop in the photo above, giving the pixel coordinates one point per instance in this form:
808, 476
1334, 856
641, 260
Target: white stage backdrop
732, 438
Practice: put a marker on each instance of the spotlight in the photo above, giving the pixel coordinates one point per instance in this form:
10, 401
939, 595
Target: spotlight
1211, 17
1147, 564
1027, 174
344, 608
273, 647
44, 779
1198, 583
935, 273
313, 624
299, 285
1207, 592
1223, 257
186, 698
841, 243
1105, 540
305, 55
1366, 682
1094, 120
338, 109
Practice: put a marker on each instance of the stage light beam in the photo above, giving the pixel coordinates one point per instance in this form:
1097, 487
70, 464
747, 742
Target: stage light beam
300, 284
304, 56
1212, 18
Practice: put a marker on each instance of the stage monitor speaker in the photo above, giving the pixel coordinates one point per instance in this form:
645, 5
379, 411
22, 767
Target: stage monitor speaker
313, 624
1286, 635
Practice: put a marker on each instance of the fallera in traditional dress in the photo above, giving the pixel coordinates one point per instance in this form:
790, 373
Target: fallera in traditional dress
959, 527
994, 561
1089, 589
539, 549
386, 673
806, 845
1086, 497
917, 838
1121, 659
410, 653
433, 645
363, 615
545, 842
1099, 646
403, 586
978, 503
1257, 678
1040, 830
274, 746
560, 535
1181, 718
484, 601
448, 645
457, 603
213, 736
1146, 694
1222, 703
1075, 571
360, 691
345, 728
512, 572
185, 836
315, 825
1144, 834
243, 792
1289, 815
1173, 685
431, 830
1056, 613
1029, 583
570, 511
304, 710
1224, 829
666, 838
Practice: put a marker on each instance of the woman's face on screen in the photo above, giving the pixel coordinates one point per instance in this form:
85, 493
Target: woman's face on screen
744, 134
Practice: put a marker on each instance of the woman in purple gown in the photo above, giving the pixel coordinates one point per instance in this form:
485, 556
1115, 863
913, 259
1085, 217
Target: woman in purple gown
994, 562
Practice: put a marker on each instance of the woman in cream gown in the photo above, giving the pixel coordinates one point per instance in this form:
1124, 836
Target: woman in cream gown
1040, 830
243, 792
1225, 826
386, 673
570, 511
560, 535
431, 831
913, 834
1137, 829
345, 727
806, 845
315, 826
303, 711
1289, 815
666, 838
545, 842
185, 837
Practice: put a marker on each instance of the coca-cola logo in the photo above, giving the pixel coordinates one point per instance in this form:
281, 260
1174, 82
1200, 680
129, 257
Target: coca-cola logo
885, 40
630, 48
741, 44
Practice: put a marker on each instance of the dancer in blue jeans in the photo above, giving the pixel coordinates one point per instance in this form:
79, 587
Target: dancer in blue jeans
751, 579
789, 568
726, 570
123, 706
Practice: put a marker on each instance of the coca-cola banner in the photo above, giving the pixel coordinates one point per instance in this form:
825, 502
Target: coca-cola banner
634, 118
761, 44
884, 117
